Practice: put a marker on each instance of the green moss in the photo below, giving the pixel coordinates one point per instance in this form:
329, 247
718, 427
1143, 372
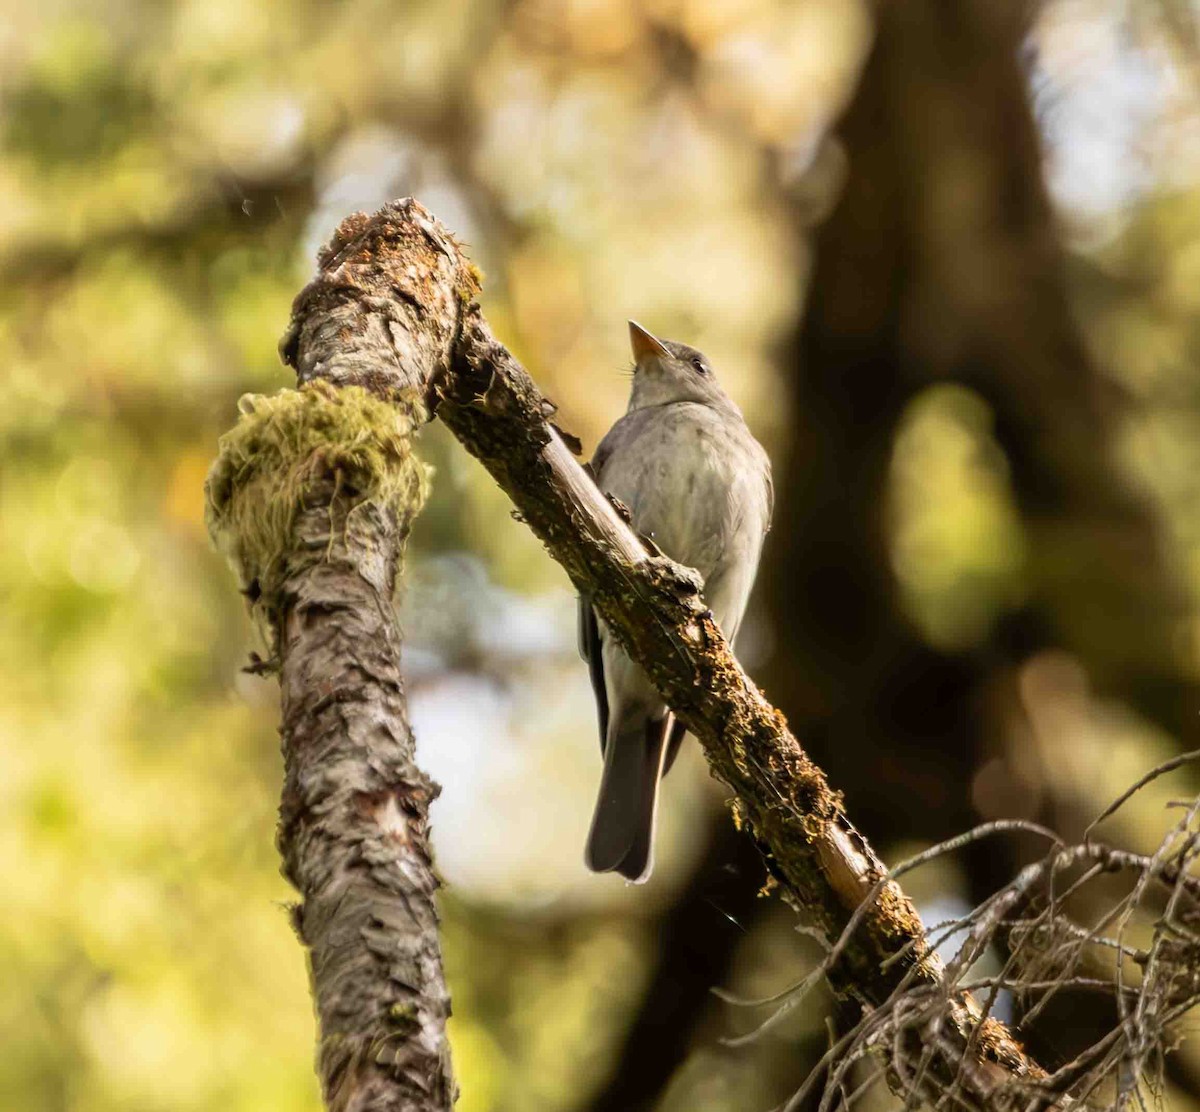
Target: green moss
287, 443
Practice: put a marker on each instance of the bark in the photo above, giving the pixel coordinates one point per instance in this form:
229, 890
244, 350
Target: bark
353, 824
391, 301
315, 525
312, 497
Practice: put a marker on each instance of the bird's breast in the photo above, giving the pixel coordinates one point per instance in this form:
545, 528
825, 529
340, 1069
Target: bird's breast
691, 480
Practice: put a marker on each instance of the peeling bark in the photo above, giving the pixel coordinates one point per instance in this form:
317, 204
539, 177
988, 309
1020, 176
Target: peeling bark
391, 310
319, 560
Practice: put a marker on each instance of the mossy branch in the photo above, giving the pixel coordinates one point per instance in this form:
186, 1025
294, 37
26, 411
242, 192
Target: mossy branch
823, 865
311, 498
289, 444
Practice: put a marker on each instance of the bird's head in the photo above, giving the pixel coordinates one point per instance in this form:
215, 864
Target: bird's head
665, 371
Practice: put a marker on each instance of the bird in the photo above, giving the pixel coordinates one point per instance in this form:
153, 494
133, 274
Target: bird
696, 482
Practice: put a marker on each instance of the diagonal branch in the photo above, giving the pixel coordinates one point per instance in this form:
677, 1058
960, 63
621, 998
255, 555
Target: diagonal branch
392, 310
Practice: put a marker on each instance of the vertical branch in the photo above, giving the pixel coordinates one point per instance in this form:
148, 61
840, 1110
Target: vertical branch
312, 498
353, 824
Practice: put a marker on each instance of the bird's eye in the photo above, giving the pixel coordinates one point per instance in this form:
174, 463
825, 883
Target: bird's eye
699, 365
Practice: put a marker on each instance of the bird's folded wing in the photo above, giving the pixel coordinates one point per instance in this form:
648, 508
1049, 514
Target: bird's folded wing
591, 651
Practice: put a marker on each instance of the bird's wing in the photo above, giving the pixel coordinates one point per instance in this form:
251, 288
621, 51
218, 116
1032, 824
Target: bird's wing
620, 436
770, 483
590, 647
600, 456
591, 651
675, 731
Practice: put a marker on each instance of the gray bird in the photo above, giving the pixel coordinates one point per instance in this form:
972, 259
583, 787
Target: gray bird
699, 485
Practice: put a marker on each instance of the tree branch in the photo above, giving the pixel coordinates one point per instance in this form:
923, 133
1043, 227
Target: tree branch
312, 497
391, 310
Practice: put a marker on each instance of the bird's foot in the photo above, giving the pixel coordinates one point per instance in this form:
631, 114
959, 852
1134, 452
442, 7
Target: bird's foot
623, 511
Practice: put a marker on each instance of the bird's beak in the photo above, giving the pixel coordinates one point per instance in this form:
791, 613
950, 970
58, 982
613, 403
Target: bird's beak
645, 343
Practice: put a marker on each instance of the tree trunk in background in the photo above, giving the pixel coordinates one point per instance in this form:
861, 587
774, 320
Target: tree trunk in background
696, 941
941, 262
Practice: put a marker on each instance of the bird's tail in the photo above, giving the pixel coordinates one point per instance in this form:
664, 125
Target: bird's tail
622, 835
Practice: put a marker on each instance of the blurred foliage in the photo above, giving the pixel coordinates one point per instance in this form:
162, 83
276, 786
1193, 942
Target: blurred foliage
166, 171
958, 549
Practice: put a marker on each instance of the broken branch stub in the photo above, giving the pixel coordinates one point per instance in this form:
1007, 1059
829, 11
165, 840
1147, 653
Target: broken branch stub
384, 308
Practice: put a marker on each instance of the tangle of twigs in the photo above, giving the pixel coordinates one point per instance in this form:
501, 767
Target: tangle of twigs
1142, 952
